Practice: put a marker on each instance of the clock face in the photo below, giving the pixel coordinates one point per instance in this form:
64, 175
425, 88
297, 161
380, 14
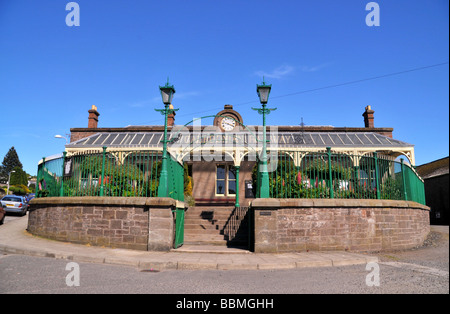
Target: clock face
228, 124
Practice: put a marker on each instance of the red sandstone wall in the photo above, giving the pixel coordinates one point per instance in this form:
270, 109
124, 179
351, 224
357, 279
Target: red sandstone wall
131, 223
354, 225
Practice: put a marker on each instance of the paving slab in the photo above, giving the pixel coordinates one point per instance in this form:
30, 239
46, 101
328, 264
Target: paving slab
14, 239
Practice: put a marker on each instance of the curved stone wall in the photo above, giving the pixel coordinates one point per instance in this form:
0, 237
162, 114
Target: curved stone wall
294, 225
134, 223
280, 225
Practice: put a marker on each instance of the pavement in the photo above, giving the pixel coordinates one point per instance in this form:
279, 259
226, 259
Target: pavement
14, 239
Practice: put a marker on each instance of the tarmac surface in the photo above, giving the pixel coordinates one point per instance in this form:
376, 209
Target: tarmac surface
14, 239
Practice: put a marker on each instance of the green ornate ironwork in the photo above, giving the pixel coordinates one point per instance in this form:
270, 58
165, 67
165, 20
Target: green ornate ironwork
263, 91
163, 190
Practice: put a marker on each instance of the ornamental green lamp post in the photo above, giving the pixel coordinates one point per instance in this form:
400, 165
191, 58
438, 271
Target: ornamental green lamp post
167, 92
263, 91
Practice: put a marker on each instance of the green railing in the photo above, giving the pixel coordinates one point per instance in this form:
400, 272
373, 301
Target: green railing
324, 174
112, 173
330, 174
49, 177
102, 173
176, 191
414, 185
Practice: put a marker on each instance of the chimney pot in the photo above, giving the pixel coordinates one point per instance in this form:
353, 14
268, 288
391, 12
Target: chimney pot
93, 117
368, 117
171, 117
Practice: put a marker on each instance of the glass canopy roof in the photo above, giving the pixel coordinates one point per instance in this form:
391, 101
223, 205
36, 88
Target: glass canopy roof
283, 139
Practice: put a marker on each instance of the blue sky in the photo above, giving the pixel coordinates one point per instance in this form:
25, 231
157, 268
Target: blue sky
215, 52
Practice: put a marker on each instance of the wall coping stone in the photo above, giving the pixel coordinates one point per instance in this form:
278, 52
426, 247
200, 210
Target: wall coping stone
111, 201
275, 203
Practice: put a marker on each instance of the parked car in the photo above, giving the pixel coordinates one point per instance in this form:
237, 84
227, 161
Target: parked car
30, 197
2, 215
14, 204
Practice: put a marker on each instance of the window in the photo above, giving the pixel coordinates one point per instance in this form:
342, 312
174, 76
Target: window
11, 199
225, 180
220, 179
231, 180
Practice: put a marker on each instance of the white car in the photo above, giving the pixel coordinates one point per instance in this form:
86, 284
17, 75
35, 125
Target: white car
14, 204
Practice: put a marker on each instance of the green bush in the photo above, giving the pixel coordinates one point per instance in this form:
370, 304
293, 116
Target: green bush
313, 181
119, 179
17, 190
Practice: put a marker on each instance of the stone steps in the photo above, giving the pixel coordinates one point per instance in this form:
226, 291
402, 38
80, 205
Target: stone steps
213, 225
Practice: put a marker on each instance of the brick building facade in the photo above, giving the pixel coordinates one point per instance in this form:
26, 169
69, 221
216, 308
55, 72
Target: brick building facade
221, 162
214, 182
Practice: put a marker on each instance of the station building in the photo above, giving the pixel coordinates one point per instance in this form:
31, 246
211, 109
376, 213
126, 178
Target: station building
330, 188
215, 152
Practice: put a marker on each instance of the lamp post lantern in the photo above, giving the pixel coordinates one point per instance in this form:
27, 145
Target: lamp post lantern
263, 91
60, 136
167, 92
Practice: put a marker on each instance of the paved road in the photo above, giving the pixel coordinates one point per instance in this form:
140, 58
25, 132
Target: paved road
24, 274
424, 270
419, 271
11, 217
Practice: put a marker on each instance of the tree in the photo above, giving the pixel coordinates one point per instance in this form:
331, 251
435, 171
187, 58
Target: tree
18, 177
10, 161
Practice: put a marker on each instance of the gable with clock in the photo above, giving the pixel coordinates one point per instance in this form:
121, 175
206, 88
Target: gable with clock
228, 119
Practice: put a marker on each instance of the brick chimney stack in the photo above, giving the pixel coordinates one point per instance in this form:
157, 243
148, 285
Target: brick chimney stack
368, 117
171, 117
93, 117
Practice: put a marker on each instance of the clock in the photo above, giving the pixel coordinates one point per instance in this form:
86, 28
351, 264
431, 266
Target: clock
227, 124
228, 120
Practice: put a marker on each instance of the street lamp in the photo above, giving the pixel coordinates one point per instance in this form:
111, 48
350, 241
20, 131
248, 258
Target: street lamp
167, 92
60, 136
9, 178
263, 91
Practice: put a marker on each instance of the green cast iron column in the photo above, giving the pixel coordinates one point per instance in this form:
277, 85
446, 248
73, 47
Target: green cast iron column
377, 181
167, 92
330, 180
163, 180
237, 186
264, 193
356, 177
61, 191
264, 177
263, 91
405, 193
102, 187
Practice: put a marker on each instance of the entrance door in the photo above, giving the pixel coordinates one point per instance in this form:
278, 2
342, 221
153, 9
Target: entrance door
214, 183
225, 180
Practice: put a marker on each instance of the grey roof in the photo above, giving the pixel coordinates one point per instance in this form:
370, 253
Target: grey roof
285, 140
338, 139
